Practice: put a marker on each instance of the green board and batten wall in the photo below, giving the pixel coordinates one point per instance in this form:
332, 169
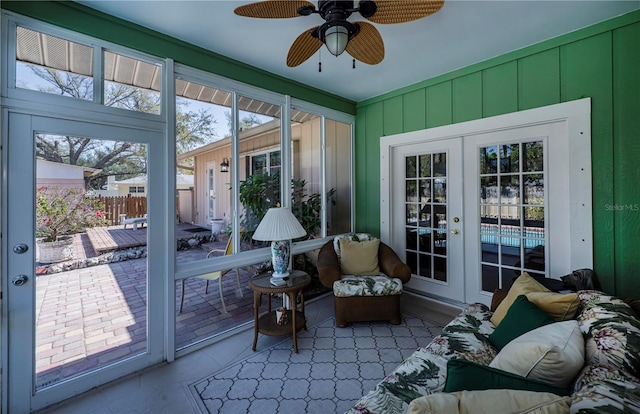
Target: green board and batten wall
601, 62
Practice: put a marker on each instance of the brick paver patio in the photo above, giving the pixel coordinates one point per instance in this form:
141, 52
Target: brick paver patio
87, 318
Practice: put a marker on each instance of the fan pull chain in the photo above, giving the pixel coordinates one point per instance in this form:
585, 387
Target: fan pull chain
320, 60
354, 64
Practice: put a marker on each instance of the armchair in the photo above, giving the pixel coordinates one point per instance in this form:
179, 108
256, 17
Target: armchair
364, 298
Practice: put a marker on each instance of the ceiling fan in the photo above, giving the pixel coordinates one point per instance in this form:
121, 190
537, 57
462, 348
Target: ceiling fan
359, 39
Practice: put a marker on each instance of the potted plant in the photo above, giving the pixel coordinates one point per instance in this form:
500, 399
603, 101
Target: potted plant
60, 213
260, 192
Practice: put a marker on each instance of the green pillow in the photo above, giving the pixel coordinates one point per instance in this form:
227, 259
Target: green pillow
463, 375
522, 317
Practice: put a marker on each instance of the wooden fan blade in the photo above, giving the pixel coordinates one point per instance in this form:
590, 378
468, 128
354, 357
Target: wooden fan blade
303, 48
400, 11
367, 46
272, 9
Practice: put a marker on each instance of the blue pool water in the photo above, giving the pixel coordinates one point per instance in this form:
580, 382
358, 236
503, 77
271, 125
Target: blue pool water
530, 238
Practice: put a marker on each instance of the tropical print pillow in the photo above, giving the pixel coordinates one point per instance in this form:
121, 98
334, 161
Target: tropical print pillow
612, 332
425, 371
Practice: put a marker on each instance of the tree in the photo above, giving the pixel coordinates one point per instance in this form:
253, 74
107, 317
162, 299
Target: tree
247, 121
122, 158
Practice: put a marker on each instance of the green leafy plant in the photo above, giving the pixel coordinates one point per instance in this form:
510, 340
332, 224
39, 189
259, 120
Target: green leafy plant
65, 211
260, 192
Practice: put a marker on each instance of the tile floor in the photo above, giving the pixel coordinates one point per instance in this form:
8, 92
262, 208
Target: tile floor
162, 389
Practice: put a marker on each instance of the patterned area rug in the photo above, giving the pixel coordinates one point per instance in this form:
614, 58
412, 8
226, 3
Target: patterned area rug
333, 369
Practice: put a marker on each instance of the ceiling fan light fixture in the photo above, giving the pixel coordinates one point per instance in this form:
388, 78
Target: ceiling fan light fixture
336, 39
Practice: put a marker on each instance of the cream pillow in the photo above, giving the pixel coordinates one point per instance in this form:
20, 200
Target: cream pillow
553, 353
491, 402
359, 258
559, 306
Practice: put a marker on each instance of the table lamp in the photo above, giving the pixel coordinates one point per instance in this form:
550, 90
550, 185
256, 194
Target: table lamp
279, 226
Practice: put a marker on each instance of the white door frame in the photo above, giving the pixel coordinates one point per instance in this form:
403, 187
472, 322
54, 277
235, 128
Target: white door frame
18, 210
576, 118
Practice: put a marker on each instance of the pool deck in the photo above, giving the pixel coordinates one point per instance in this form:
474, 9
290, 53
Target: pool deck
105, 239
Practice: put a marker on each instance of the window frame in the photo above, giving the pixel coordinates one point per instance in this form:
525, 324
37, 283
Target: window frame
42, 100
64, 107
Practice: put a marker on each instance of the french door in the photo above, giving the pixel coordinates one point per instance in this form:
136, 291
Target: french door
87, 319
428, 199
471, 206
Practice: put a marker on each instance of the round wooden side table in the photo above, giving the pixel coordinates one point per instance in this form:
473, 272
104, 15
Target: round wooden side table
267, 324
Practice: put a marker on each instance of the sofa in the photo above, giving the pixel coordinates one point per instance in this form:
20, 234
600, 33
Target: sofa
532, 351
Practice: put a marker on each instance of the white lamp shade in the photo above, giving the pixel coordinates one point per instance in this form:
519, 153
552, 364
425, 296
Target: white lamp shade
336, 39
279, 224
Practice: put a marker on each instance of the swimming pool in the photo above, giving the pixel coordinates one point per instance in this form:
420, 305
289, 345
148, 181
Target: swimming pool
512, 236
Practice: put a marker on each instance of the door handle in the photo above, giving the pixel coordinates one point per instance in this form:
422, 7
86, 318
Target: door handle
19, 280
20, 248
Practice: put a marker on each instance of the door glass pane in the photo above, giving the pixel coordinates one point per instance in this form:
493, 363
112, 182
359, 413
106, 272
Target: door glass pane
509, 158
533, 156
411, 192
425, 165
512, 220
509, 189
53, 65
426, 214
489, 160
91, 284
411, 168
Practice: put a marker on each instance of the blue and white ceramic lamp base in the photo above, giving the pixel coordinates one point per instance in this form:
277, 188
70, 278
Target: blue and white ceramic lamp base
280, 250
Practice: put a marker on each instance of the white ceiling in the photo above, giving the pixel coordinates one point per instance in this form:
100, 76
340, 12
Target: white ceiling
463, 32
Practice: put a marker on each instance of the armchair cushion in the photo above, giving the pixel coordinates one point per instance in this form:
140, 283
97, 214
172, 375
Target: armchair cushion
367, 286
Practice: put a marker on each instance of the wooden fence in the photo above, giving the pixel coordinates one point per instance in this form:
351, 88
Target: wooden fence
128, 205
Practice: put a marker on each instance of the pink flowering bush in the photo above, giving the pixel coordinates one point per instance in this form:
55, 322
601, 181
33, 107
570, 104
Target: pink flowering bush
65, 211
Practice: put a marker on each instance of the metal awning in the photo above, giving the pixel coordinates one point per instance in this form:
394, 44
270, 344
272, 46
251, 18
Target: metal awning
55, 53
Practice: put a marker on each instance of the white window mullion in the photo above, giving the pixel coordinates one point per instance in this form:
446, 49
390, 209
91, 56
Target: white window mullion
235, 170
323, 174
286, 159
98, 76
